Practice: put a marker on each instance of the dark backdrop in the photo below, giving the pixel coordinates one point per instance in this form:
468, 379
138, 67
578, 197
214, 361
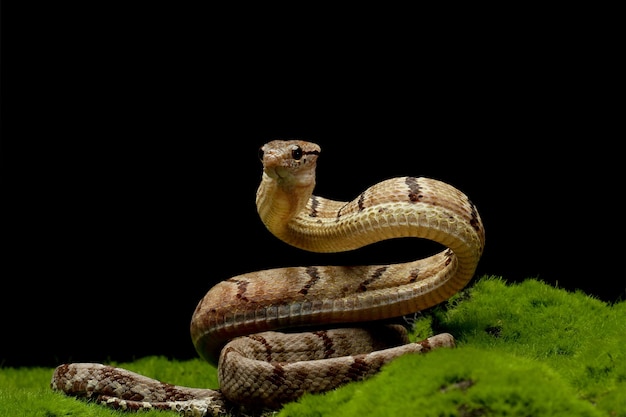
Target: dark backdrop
131, 166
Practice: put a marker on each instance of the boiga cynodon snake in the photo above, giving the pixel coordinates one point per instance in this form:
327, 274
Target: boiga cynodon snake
279, 333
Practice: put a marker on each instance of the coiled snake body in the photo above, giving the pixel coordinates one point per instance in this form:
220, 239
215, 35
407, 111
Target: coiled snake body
247, 324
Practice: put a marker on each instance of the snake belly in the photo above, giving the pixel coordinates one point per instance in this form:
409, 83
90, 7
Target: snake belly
277, 334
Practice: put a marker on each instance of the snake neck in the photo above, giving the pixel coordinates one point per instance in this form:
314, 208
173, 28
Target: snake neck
279, 202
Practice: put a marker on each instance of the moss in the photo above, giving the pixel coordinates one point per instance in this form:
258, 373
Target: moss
581, 337
191, 373
461, 382
522, 349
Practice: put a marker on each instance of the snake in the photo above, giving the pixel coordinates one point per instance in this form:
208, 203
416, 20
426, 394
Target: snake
277, 334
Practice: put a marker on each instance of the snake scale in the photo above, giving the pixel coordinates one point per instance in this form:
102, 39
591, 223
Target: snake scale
279, 333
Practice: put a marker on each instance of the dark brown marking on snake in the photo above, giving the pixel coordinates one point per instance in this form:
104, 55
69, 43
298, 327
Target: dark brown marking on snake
302, 374
360, 201
61, 371
314, 204
340, 209
474, 222
358, 369
242, 286
376, 275
314, 274
425, 344
266, 345
174, 394
448, 254
328, 343
415, 190
278, 375
414, 275
227, 351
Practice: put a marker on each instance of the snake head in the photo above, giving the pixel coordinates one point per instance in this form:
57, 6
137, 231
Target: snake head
291, 162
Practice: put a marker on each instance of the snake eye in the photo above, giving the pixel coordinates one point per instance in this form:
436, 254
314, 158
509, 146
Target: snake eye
296, 153
261, 153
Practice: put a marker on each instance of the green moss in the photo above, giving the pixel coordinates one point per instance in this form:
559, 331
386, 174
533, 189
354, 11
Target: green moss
522, 349
581, 337
192, 373
460, 382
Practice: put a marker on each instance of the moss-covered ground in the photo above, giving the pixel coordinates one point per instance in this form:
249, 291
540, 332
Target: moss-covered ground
523, 349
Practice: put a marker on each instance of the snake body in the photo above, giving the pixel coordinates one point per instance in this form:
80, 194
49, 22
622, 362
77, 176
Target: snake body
279, 333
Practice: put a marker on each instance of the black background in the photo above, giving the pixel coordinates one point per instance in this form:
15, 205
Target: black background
130, 163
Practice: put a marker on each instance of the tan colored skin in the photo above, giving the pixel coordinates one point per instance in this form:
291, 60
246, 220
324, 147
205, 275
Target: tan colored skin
236, 324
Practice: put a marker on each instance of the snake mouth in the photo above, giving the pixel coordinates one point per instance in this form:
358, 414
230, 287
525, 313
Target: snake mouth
275, 173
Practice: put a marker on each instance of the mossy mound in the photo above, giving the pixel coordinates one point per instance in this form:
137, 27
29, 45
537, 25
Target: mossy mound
525, 349
460, 382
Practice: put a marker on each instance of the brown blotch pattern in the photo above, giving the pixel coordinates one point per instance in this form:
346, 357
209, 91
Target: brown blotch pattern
242, 287
415, 191
314, 274
449, 254
314, 205
328, 343
277, 377
474, 222
360, 201
340, 209
358, 369
266, 345
376, 275
425, 344
413, 275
